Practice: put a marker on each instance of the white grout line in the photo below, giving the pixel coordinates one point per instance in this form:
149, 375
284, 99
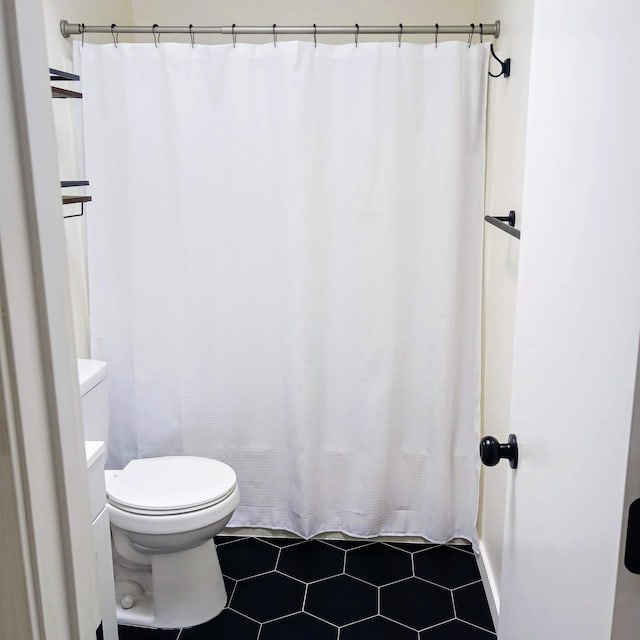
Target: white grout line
317, 617
286, 575
476, 626
433, 584
402, 624
435, 626
388, 584
469, 584
255, 575
286, 615
391, 545
344, 626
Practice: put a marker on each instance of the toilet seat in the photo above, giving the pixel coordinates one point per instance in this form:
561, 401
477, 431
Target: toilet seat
170, 495
170, 485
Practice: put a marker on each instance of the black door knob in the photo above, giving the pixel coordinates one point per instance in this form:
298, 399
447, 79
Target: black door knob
491, 451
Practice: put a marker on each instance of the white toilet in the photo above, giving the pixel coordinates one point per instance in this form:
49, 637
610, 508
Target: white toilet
164, 513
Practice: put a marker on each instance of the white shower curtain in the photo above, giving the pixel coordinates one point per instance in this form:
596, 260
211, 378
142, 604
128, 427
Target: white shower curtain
285, 272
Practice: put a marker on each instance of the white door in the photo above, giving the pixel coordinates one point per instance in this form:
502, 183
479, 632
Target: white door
577, 324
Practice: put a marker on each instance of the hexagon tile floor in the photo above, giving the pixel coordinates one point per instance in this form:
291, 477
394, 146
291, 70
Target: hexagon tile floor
290, 589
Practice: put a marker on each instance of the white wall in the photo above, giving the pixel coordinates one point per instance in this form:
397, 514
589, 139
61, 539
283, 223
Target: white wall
266, 12
506, 134
68, 123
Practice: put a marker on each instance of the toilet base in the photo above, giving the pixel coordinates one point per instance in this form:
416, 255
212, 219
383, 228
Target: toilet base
175, 590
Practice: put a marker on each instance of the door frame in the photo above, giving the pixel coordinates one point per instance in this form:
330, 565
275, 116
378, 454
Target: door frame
48, 575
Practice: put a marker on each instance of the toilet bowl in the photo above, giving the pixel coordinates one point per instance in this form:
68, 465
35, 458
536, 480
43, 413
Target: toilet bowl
164, 513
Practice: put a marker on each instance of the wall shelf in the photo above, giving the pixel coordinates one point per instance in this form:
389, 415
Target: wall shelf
65, 76
75, 199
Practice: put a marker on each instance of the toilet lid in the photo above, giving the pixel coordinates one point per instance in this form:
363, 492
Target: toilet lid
176, 484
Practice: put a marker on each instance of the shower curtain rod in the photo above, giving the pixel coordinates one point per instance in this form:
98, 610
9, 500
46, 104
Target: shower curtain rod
492, 29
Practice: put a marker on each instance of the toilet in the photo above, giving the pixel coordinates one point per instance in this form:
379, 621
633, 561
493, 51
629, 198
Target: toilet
164, 513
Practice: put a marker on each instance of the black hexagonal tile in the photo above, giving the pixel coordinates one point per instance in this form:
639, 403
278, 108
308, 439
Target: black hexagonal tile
379, 564
282, 542
229, 586
229, 625
299, 625
268, 596
472, 606
416, 604
341, 600
447, 566
138, 633
311, 561
348, 544
411, 547
456, 630
220, 540
377, 628
246, 557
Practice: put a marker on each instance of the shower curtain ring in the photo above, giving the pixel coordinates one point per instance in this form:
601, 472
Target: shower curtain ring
114, 35
473, 30
193, 38
82, 32
481, 33
275, 36
315, 36
155, 39
233, 34
400, 36
357, 33
437, 30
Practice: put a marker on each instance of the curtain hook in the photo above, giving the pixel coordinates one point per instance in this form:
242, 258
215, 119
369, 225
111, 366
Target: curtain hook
481, 33
155, 40
233, 34
473, 30
357, 33
275, 36
315, 36
193, 38
114, 35
82, 32
437, 31
400, 35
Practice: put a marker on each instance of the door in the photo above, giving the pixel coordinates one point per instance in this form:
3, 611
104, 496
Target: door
577, 324
47, 576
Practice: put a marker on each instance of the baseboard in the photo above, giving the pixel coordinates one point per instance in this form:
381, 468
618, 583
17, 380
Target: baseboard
330, 535
490, 586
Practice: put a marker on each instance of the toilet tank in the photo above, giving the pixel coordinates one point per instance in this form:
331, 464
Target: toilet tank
92, 376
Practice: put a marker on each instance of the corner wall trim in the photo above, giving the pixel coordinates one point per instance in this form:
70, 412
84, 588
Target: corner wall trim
490, 587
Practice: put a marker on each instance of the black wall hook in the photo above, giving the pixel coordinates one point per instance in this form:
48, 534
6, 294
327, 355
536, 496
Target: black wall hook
506, 65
